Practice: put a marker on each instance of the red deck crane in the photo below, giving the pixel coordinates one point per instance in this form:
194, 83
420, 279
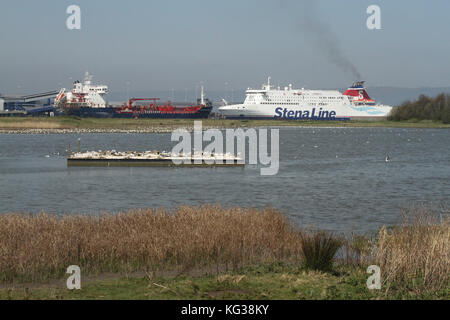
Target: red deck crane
130, 102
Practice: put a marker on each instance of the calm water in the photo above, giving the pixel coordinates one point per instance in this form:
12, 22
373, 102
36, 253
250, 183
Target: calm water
333, 178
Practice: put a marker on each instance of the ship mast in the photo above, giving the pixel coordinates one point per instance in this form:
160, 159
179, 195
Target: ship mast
202, 97
87, 78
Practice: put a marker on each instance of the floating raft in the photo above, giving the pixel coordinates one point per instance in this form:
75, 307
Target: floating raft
151, 159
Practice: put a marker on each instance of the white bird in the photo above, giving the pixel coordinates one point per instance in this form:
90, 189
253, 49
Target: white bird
387, 158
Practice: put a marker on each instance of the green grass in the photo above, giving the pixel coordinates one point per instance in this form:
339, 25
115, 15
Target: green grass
275, 281
167, 124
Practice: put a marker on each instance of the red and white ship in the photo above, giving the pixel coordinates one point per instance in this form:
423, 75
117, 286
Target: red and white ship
86, 100
302, 104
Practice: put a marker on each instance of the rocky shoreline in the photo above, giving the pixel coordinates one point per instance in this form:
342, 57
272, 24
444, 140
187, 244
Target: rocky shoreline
98, 130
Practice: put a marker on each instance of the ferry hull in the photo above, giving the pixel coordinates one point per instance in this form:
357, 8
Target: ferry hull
275, 118
331, 113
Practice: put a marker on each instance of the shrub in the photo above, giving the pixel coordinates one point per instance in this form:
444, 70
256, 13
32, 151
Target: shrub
319, 249
424, 108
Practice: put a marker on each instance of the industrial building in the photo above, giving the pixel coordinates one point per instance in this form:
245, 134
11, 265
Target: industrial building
40, 104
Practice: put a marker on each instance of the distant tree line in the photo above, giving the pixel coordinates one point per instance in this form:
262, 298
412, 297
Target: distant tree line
424, 108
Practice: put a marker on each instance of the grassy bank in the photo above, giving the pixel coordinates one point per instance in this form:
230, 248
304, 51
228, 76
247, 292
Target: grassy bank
268, 281
215, 253
170, 124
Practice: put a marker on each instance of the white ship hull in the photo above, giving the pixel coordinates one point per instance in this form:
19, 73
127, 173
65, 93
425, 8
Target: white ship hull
301, 104
298, 112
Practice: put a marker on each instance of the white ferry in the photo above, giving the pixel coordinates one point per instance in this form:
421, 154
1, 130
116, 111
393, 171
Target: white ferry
303, 104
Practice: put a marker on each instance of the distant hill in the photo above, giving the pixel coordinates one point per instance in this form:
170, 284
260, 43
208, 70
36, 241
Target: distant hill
396, 96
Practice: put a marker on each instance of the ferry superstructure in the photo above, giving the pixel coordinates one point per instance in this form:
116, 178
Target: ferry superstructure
303, 104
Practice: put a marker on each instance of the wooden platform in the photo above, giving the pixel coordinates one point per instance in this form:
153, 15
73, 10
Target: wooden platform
148, 163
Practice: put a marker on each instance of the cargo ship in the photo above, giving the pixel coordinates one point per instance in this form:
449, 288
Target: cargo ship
302, 104
87, 100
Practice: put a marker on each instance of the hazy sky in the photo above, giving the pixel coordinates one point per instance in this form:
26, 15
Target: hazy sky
176, 44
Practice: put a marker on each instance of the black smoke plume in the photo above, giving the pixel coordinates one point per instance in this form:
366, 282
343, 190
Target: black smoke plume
321, 36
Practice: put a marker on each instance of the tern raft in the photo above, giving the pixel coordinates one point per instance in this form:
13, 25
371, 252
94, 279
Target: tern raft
151, 159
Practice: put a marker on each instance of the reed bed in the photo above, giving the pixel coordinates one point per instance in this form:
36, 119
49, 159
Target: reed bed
416, 254
42, 246
413, 256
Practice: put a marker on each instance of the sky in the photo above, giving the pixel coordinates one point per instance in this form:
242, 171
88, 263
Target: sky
160, 45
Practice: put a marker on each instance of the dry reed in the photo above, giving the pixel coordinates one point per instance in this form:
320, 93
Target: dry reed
42, 246
415, 254
30, 124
